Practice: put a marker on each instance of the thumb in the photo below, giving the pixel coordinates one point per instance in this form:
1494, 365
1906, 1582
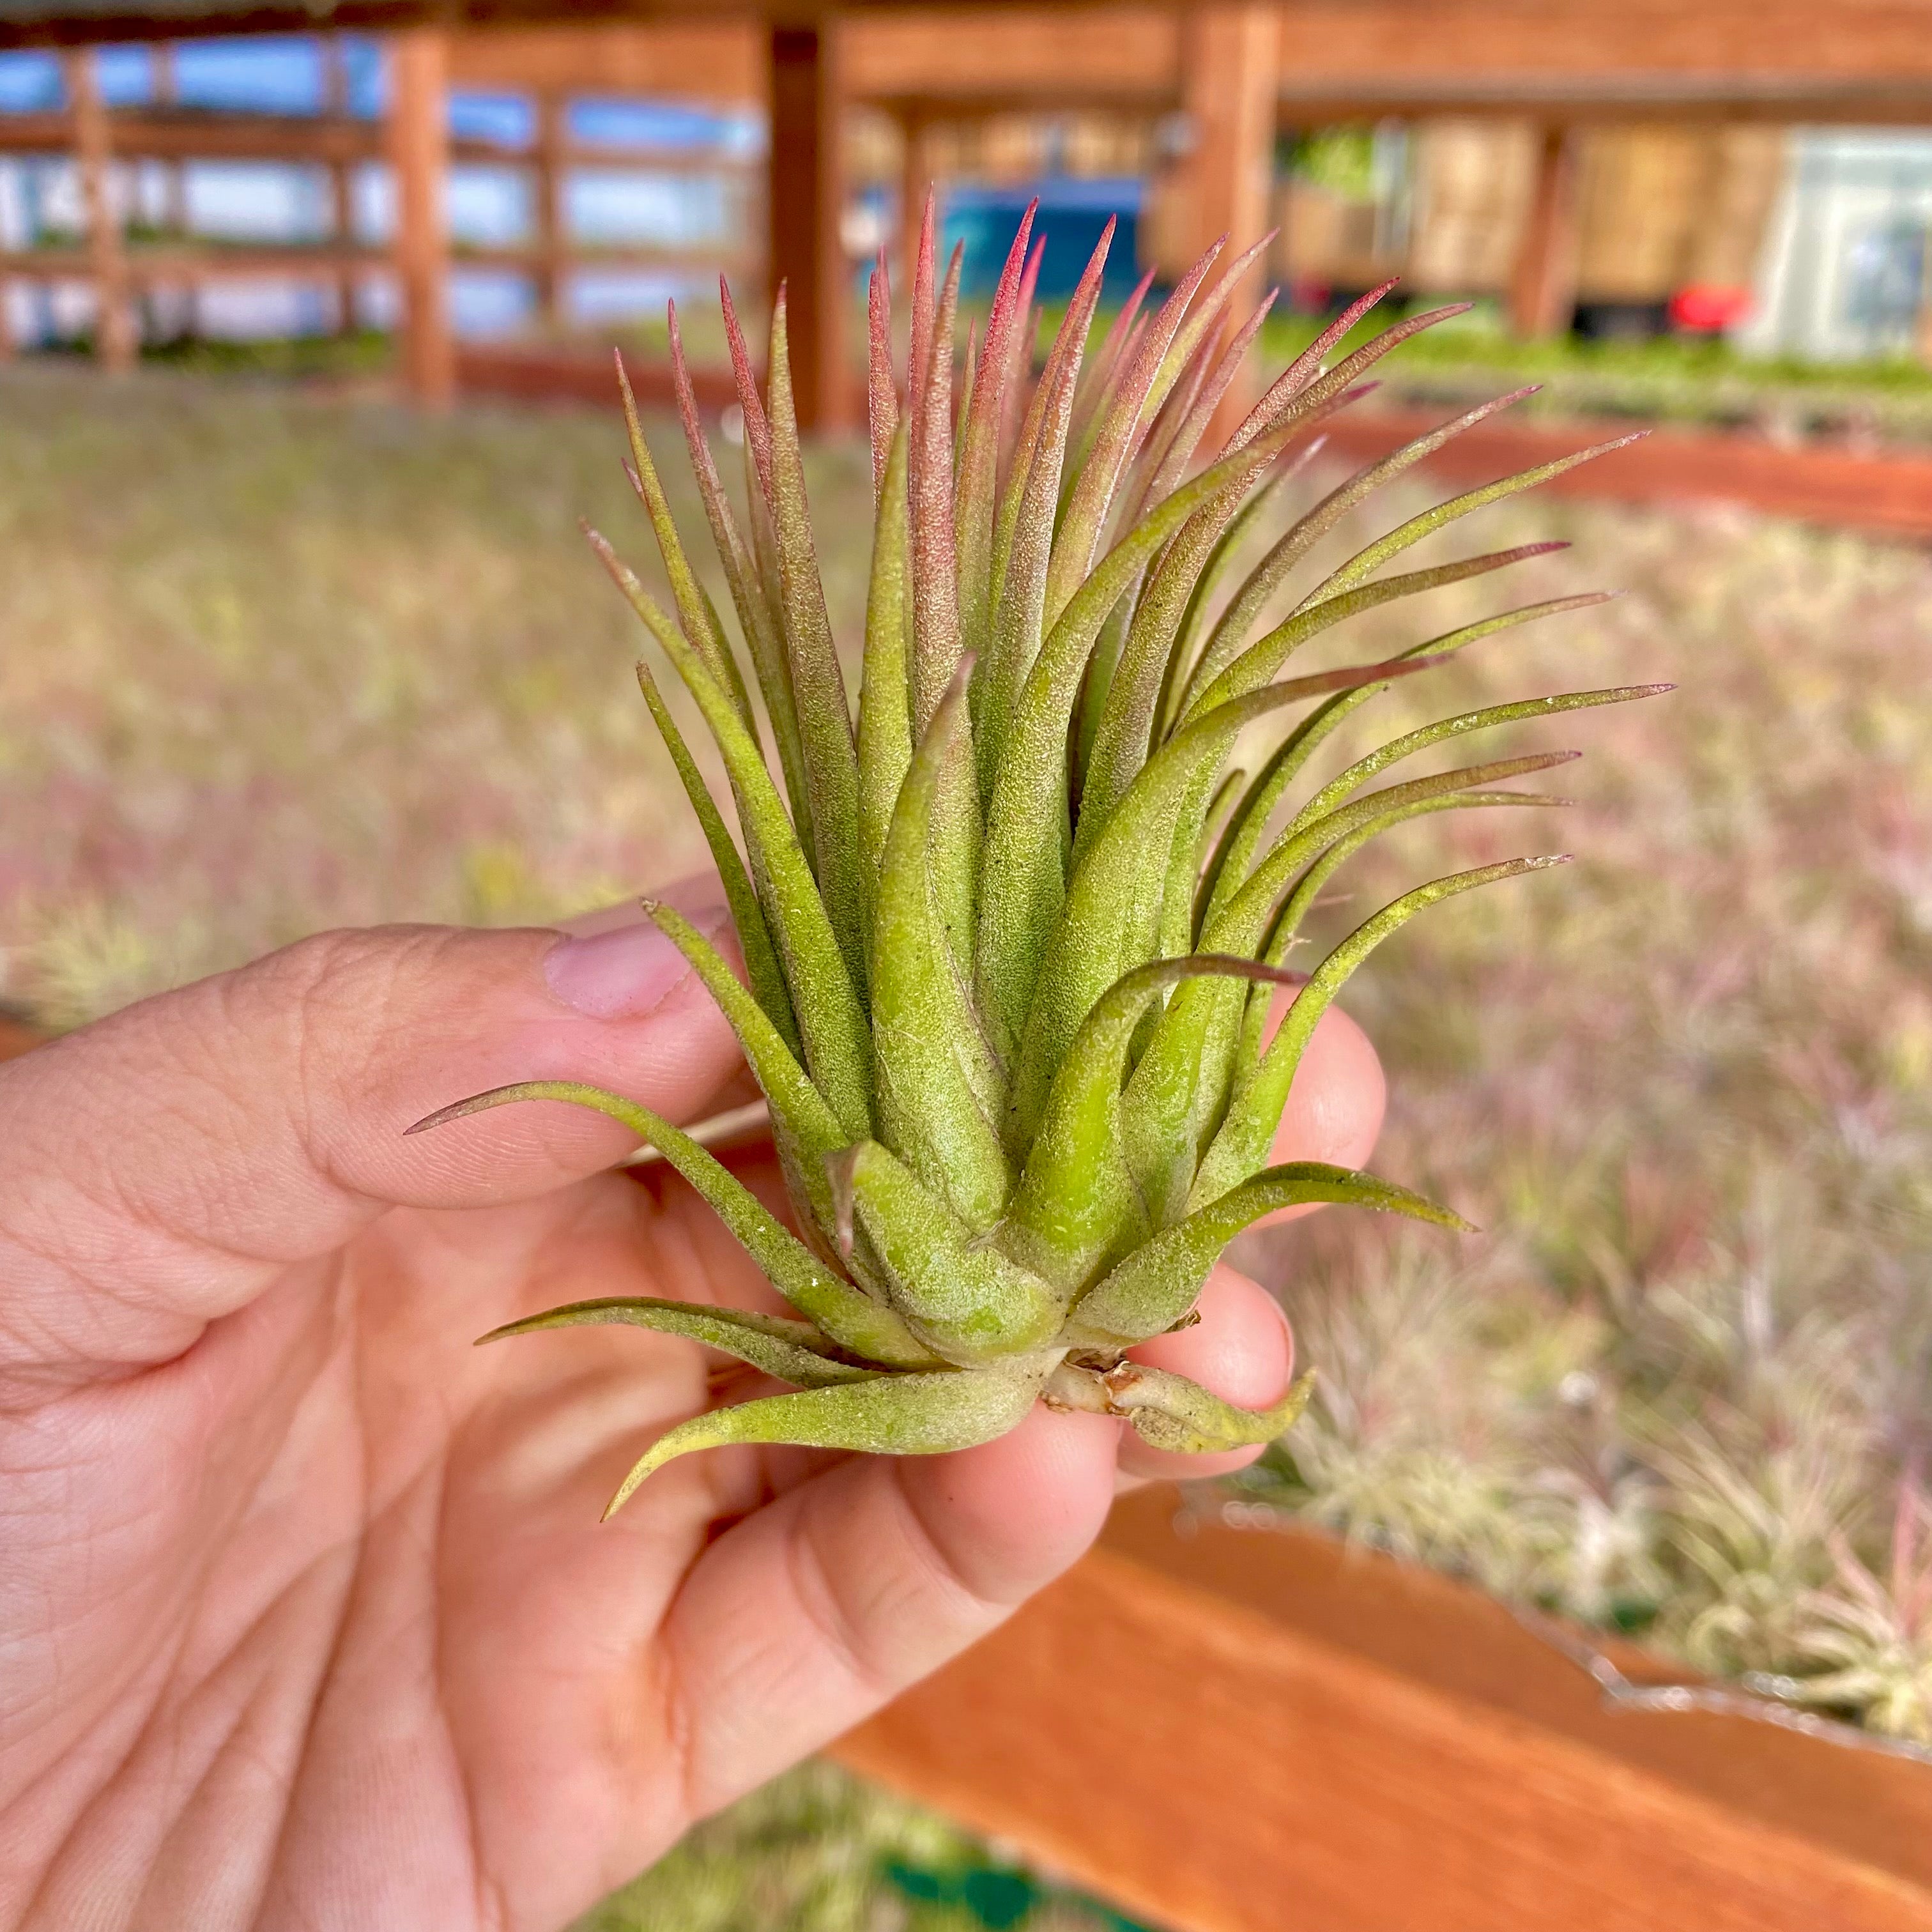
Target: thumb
164, 1164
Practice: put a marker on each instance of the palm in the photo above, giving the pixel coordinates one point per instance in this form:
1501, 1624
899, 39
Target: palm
307, 1618
494, 1709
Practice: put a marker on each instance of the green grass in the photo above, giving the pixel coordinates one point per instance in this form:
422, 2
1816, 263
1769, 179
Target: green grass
274, 663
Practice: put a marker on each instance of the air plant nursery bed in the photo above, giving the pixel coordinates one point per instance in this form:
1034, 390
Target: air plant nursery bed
274, 664
1363, 1743
1886, 490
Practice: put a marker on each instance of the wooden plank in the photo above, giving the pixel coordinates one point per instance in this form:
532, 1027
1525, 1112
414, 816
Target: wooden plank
549, 166
1876, 39
341, 179
533, 259
164, 262
918, 177
1611, 100
722, 62
1242, 1732
183, 133
1543, 285
418, 128
115, 342
805, 199
1015, 56
186, 135
1836, 488
1883, 41
551, 375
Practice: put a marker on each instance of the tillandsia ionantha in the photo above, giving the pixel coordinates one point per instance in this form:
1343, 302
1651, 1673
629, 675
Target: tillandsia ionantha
1012, 938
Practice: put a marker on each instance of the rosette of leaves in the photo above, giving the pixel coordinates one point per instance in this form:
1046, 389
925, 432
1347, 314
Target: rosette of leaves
1011, 933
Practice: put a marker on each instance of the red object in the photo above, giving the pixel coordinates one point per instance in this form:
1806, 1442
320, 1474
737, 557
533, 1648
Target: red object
1704, 310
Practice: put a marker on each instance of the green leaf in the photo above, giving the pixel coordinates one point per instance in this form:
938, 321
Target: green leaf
754, 939
1241, 836
1295, 908
938, 1084
963, 1298
1124, 735
1113, 904
805, 1126
889, 1415
935, 563
830, 1020
1332, 794
1239, 924
1262, 659
818, 685
1224, 643
979, 452
1076, 1204
1023, 536
1180, 1084
693, 609
1189, 411
792, 1351
1365, 563
1161, 1280
851, 1319
1168, 1412
1241, 1146
885, 698
953, 837
755, 617
882, 401
1022, 882
1078, 536
1101, 378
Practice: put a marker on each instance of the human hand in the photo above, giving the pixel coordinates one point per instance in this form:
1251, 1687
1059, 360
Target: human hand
306, 1616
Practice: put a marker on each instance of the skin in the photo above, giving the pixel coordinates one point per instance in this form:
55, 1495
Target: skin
306, 1617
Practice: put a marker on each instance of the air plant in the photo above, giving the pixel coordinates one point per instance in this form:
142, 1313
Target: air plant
1011, 938
1869, 1638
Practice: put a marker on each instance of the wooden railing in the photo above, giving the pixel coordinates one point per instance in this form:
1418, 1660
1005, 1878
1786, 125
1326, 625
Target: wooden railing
415, 141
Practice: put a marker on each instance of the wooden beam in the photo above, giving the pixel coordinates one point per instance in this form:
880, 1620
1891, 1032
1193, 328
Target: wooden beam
1436, 41
194, 261
1243, 1731
115, 340
1231, 57
548, 167
1543, 287
722, 62
916, 180
341, 178
805, 201
419, 136
1015, 56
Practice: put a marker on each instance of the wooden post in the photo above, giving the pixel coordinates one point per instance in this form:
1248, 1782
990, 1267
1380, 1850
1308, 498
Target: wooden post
419, 147
341, 181
547, 169
1230, 84
1542, 288
805, 201
115, 342
916, 181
